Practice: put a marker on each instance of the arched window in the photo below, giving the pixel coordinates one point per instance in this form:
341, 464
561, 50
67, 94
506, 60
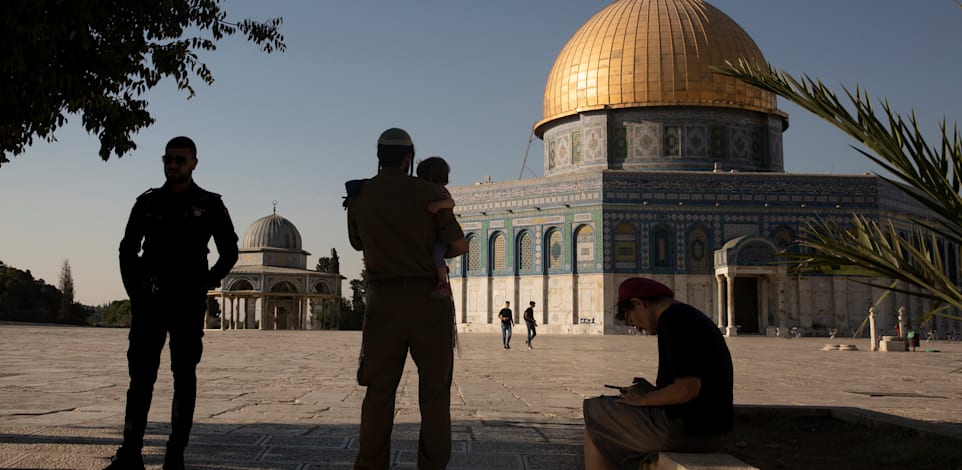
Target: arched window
584, 249
626, 248
322, 288
496, 263
698, 249
241, 284
661, 251
284, 286
525, 253
472, 258
554, 253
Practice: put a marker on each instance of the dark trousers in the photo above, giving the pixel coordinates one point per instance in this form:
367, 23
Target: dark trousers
152, 319
506, 332
532, 330
399, 319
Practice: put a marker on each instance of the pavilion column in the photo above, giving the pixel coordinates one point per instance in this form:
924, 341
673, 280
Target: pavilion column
780, 292
260, 308
720, 300
730, 329
307, 313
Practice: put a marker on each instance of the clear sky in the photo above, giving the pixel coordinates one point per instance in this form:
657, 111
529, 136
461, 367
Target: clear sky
466, 79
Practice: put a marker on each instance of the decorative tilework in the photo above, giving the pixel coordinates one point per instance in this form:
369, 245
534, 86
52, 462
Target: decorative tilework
473, 255
645, 144
672, 145
585, 248
552, 153
526, 252
699, 249
661, 247
595, 137
719, 143
497, 253
756, 147
740, 144
576, 147
555, 255
563, 151
618, 148
696, 141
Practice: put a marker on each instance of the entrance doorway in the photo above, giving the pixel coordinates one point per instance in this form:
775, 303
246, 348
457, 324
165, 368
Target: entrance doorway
746, 304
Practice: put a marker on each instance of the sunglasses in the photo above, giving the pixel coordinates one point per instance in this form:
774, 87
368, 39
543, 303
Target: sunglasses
178, 159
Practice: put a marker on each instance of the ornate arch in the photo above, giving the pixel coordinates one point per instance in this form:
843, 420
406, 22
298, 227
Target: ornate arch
584, 248
553, 251
661, 244
524, 263
496, 254
699, 250
470, 261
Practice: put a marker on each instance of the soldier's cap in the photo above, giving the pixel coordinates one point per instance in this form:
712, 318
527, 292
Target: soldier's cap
642, 289
395, 136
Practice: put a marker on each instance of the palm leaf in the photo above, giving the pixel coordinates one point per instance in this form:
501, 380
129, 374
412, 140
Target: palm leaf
932, 175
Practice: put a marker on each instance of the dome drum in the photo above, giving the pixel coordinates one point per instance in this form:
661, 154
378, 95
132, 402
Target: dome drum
665, 139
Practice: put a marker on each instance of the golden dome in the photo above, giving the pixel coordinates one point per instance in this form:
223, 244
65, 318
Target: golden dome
637, 53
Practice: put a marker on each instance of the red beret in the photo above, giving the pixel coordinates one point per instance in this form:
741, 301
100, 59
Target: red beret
643, 288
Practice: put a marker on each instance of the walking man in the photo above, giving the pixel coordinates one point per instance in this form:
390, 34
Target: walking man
387, 219
530, 322
163, 264
507, 324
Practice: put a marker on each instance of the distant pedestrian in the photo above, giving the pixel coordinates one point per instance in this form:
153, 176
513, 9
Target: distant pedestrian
507, 324
531, 323
163, 263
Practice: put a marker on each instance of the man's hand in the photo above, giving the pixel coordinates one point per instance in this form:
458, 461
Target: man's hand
634, 394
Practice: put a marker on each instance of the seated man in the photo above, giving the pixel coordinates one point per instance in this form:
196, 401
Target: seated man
689, 409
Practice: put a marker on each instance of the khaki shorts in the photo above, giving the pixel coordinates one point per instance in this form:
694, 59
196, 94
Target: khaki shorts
628, 435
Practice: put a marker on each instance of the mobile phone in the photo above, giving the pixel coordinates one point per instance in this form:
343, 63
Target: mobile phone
614, 386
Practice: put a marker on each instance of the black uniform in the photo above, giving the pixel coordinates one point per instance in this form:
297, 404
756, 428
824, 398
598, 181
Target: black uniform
168, 286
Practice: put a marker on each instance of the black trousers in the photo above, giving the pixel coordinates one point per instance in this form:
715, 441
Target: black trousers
152, 320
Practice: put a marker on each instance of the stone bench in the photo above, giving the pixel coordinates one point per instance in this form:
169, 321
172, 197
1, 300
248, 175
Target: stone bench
684, 461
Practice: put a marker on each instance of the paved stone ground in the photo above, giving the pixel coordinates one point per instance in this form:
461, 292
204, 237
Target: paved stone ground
288, 399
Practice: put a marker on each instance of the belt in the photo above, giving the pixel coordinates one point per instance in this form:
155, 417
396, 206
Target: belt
403, 282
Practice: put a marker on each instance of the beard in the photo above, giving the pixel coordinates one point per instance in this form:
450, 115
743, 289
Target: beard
178, 178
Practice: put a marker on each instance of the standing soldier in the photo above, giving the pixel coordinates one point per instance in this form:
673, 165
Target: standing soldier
167, 285
388, 220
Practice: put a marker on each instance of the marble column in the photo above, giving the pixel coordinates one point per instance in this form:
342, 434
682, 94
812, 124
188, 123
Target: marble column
731, 330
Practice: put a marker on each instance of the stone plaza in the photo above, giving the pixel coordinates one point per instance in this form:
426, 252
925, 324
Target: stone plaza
289, 399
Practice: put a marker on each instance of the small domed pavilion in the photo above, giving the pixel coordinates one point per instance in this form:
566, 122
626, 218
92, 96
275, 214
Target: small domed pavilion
270, 287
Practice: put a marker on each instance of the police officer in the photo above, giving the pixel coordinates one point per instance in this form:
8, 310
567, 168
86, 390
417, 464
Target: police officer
388, 220
170, 228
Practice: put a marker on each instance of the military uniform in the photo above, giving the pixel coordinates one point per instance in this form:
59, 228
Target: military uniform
168, 287
390, 222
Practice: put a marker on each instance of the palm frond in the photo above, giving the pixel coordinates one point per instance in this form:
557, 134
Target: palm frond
932, 175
